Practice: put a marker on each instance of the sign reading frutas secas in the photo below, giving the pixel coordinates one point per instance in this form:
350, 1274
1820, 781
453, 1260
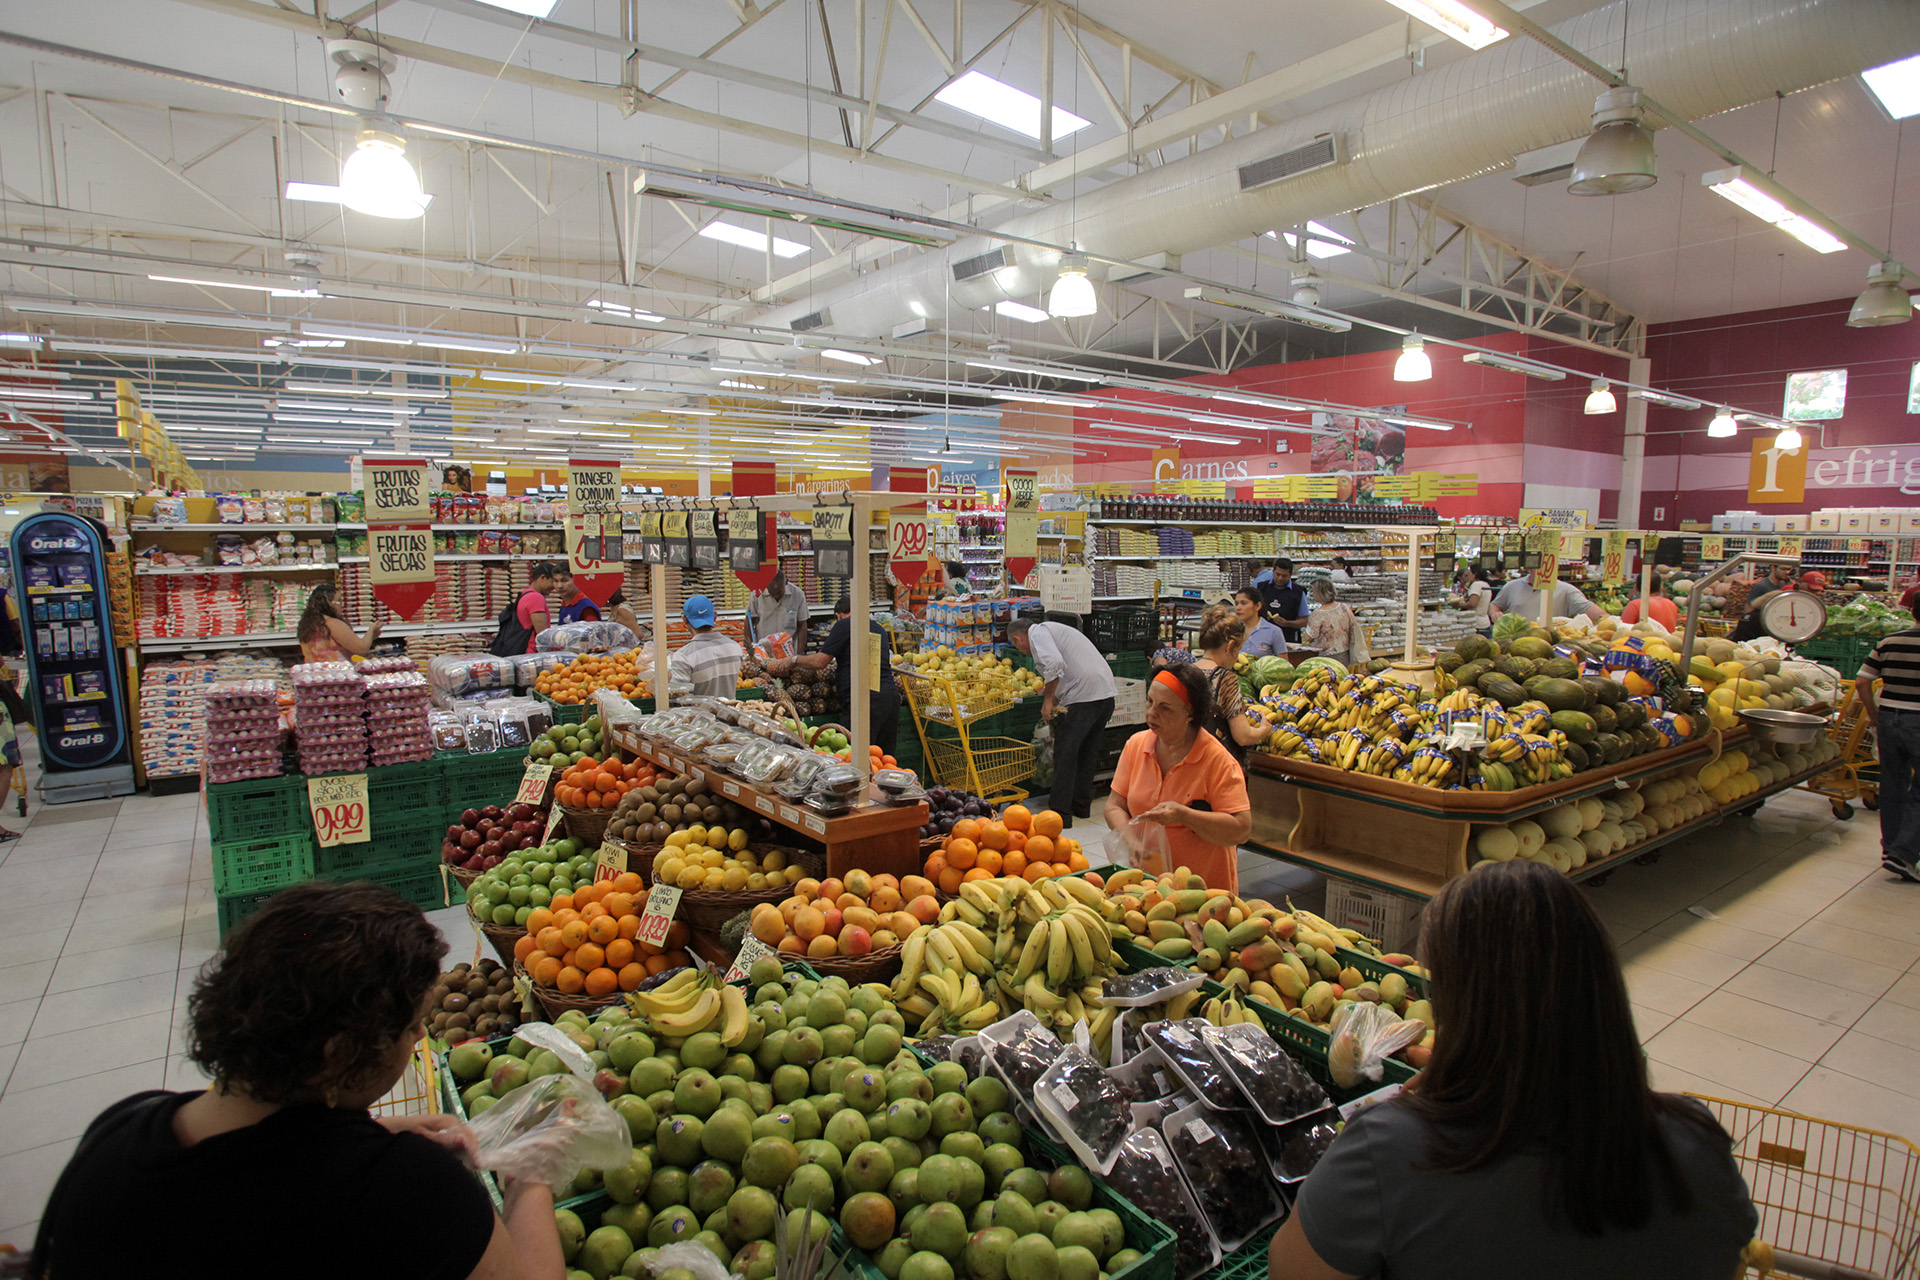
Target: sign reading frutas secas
399, 509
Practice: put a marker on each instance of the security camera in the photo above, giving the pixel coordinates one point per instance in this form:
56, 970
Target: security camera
360, 73
1306, 289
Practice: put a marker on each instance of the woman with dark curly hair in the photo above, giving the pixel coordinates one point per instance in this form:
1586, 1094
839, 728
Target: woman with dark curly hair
304, 1020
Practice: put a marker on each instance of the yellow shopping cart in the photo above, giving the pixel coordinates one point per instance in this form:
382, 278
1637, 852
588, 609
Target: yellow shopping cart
945, 713
1836, 1202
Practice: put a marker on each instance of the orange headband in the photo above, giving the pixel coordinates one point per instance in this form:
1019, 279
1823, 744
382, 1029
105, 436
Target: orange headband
1167, 680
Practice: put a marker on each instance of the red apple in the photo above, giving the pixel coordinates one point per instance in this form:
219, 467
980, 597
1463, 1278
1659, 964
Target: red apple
469, 839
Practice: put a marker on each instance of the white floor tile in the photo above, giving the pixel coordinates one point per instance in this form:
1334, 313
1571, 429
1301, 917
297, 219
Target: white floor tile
1877, 1061
1766, 1024
1666, 992
1648, 1023
1827, 1094
90, 1050
1739, 1064
1715, 935
25, 948
35, 1117
1683, 959
82, 1007
25, 981
1800, 993
25, 1179
1905, 992
1844, 941
1848, 974
1666, 1078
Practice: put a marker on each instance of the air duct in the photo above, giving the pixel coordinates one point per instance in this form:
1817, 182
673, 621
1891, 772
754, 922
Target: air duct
1473, 116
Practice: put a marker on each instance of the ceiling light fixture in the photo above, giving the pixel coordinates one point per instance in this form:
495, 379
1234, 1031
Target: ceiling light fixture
1404, 420
1072, 293
1513, 364
1788, 441
1884, 301
275, 290
1617, 156
1313, 317
1665, 399
1733, 184
727, 233
303, 342
848, 357
1019, 311
979, 94
12, 392
1722, 425
1036, 370
1322, 241
1897, 86
1455, 20
1413, 365
622, 310
378, 180
1599, 398
364, 389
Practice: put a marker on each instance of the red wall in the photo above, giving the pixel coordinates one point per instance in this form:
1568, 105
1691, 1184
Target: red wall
1870, 457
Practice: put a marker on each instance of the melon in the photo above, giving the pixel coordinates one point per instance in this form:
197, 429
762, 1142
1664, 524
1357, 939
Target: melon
1562, 822
1497, 844
1591, 814
1529, 834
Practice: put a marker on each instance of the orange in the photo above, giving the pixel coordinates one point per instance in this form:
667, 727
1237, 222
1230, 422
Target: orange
604, 781
950, 879
629, 926
1017, 817
1017, 839
935, 865
1048, 823
593, 911
603, 929
618, 904
631, 976
1037, 871
524, 947
989, 862
575, 932
620, 953
552, 942
962, 853
1077, 861
602, 982
561, 902
546, 969
593, 800
1014, 863
1039, 849
590, 955
995, 836
538, 919
978, 873
570, 980
967, 829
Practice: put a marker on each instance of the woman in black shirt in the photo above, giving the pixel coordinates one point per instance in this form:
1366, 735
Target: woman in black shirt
305, 1019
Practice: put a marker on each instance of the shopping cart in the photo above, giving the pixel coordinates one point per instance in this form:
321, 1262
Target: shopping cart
416, 1092
944, 714
1856, 771
1835, 1202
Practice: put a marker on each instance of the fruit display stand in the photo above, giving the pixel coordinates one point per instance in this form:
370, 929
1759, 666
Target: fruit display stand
874, 837
1411, 840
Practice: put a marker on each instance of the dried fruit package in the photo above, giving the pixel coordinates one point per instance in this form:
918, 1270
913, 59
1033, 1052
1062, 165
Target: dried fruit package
1278, 1087
1085, 1106
1145, 1173
1219, 1154
1149, 986
1180, 1043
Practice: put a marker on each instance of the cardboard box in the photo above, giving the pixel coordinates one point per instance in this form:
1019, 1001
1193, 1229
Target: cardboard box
1910, 524
1825, 522
1756, 524
1885, 522
1790, 524
1855, 520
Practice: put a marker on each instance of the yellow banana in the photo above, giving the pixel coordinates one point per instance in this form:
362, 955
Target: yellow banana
1082, 948
947, 911
976, 941
984, 1014
1059, 954
733, 1015
694, 1020
966, 913
1038, 997
917, 1005
983, 899
912, 961
970, 995
1032, 953
940, 951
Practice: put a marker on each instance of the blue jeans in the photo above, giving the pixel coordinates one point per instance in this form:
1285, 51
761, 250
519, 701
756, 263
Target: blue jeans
1899, 733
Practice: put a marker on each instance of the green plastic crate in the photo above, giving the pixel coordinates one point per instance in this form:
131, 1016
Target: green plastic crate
415, 787
1248, 1262
1844, 653
232, 908
1376, 968
419, 885
255, 809
563, 712
262, 865
1129, 666
371, 860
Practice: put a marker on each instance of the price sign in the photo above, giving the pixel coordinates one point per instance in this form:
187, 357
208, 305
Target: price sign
397, 490
1613, 567
1791, 546
751, 949
1023, 523
553, 821
1513, 549
908, 541
747, 535
610, 861
673, 533
1713, 547
651, 550
875, 647
1544, 552
339, 808
1445, 551
662, 901
833, 541
533, 784
704, 534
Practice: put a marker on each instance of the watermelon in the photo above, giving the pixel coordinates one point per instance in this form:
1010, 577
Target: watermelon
1509, 626
1338, 668
1272, 669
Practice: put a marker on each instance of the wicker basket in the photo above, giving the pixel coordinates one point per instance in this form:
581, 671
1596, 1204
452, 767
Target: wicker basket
705, 910
465, 877
501, 937
588, 826
875, 966
558, 1002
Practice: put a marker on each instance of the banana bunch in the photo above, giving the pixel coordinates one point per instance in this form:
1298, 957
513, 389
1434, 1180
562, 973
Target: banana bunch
1493, 776
1382, 758
1431, 767
692, 1002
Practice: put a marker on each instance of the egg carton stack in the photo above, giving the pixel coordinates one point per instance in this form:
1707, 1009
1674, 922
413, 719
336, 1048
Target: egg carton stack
330, 717
397, 707
173, 717
190, 606
242, 730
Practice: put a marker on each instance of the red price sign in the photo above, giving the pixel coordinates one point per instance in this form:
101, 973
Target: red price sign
339, 808
533, 784
908, 541
610, 861
662, 901
751, 949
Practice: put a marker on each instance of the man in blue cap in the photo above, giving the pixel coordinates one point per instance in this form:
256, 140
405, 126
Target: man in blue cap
709, 661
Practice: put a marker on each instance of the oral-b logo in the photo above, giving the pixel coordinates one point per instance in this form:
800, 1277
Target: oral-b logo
73, 740
41, 543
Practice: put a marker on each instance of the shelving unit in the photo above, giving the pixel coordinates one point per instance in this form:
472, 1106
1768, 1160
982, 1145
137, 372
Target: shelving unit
182, 570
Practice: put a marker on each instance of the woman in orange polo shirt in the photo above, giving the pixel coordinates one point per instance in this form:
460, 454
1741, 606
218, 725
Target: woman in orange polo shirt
1176, 774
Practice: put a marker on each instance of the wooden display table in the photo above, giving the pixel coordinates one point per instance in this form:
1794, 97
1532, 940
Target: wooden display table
879, 838
1411, 840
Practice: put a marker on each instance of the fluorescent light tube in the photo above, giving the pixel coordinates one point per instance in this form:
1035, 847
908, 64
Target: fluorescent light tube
141, 315
979, 94
1897, 86
1511, 364
1315, 317
727, 233
1666, 400
319, 192
11, 392
1037, 370
1811, 234
1732, 184
624, 311
302, 342
364, 389
21, 340
356, 335
1454, 19
1019, 311
466, 344
376, 409
848, 357
1402, 420
1322, 241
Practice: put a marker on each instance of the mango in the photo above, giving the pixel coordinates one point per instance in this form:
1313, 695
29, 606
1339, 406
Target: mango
1209, 960
1249, 931
1264, 991
1326, 966
1215, 935
1173, 948
1299, 968
1259, 955
1216, 908
1161, 930
1368, 992
1351, 977
1162, 911
1188, 901
1136, 921
1418, 1010
1235, 917
1319, 1001
1393, 991
1287, 981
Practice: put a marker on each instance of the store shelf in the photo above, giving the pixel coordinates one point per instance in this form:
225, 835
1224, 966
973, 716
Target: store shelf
449, 528
283, 639
1237, 524
184, 570
441, 556
1264, 555
237, 528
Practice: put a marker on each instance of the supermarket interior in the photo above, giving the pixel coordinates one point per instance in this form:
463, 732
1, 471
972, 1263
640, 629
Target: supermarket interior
1188, 547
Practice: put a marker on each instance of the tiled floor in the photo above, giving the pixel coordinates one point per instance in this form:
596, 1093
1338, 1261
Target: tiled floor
1770, 960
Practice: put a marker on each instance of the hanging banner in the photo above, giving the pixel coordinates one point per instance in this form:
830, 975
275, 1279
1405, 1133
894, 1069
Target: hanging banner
652, 551
675, 530
398, 490
1023, 522
400, 567
1445, 551
1166, 469
596, 540
753, 480
704, 534
833, 541
908, 543
1613, 564
1559, 517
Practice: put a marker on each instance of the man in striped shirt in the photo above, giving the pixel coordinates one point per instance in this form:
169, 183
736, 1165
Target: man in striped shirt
1895, 662
709, 661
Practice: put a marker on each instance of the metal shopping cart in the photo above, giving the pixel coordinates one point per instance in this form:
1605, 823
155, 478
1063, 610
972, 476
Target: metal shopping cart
947, 714
1836, 1202
1856, 771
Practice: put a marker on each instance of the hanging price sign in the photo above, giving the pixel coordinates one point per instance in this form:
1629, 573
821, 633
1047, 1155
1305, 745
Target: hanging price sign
595, 538
876, 646
751, 949
1445, 551
533, 784
833, 541
610, 861
704, 534
1713, 547
400, 567
674, 527
1791, 546
1023, 523
662, 901
1613, 566
908, 542
553, 823
1543, 551
397, 490
652, 551
339, 808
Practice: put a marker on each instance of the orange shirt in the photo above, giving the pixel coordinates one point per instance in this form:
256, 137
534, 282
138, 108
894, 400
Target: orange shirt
1208, 773
1664, 611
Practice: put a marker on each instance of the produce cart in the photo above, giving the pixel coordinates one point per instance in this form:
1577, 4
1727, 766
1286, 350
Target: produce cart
1856, 774
944, 715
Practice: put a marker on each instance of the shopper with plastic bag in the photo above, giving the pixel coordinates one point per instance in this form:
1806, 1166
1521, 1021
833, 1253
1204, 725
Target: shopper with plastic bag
1532, 1144
309, 1014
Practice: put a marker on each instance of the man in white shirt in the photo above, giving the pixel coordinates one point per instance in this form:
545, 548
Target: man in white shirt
709, 661
1520, 597
782, 607
1079, 684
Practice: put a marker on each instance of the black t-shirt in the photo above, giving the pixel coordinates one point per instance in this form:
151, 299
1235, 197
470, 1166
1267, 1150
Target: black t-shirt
310, 1191
839, 647
1289, 601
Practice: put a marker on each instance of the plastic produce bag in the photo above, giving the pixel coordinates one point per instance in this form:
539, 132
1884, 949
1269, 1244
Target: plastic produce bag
1220, 1155
1149, 987
549, 1129
1085, 1106
1364, 1036
1192, 1061
1277, 1086
1145, 1174
585, 637
1140, 844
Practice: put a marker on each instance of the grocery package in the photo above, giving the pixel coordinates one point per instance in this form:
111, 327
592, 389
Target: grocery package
330, 717
242, 720
397, 706
464, 673
173, 716
585, 637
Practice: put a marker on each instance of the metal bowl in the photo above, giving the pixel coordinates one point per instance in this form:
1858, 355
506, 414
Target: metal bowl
1787, 728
